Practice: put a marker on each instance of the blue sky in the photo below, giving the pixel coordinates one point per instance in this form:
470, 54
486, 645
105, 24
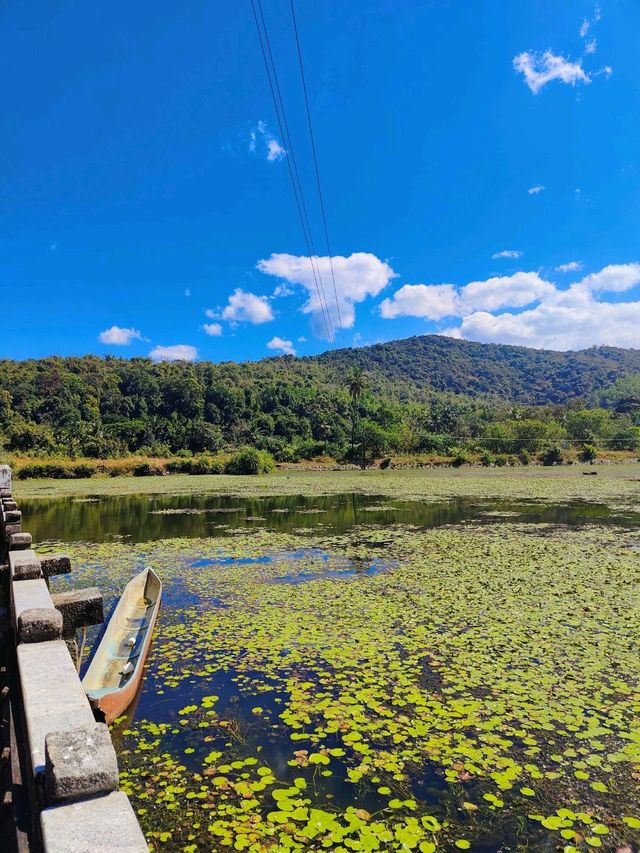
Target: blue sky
481, 176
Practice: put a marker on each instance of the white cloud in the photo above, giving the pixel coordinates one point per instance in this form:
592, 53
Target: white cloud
559, 323
211, 314
591, 46
187, 292
435, 301
262, 136
275, 151
572, 266
119, 337
356, 277
213, 329
302, 339
507, 253
431, 301
514, 291
538, 70
536, 190
280, 344
245, 306
586, 23
572, 318
177, 352
282, 290
53, 245
614, 278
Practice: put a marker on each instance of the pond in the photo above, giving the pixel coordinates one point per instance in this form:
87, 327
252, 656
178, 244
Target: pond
364, 673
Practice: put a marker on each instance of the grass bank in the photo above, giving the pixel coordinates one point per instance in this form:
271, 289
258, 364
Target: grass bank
617, 485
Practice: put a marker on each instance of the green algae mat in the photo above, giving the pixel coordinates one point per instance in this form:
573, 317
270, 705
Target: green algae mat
391, 687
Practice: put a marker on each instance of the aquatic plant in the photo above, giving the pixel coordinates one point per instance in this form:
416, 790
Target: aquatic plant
482, 685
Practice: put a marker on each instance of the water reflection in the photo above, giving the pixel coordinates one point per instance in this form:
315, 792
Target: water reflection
141, 518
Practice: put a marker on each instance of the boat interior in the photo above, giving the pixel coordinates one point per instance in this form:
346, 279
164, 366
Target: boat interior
118, 654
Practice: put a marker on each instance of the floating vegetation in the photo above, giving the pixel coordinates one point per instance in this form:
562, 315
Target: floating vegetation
384, 508
469, 687
177, 511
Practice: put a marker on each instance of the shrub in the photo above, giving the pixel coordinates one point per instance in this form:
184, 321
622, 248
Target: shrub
524, 456
287, 453
146, 469
626, 439
435, 443
552, 456
587, 453
459, 459
486, 459
385, 463
501, 460
309, 448
84, 470
202, 465
46, 469
199, 465
248, 460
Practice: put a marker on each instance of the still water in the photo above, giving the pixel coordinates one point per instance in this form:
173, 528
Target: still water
142, 518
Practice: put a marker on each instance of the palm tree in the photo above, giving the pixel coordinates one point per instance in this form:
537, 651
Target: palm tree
356, 383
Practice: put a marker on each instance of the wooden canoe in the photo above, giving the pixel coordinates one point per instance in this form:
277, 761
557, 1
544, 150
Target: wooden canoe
115, 671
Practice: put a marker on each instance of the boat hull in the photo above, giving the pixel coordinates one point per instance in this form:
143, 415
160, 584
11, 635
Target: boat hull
115, 673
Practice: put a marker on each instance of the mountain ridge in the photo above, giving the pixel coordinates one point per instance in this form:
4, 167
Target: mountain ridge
473, 368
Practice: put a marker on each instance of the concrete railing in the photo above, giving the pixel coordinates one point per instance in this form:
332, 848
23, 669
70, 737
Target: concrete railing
69, 767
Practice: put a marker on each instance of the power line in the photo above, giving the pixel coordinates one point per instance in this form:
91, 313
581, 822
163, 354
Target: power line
278, 103
291, 162
317, 170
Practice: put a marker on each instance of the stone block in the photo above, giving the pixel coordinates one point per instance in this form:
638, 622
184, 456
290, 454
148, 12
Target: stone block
80, 763
5, 478
27, 594
52, 696
12, 516
24, 565
104, 824
79, 607
55, 564
19, 541
72, 644
9, 503
11, 528
38, 624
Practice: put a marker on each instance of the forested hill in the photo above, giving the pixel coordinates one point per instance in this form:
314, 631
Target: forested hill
517, 374
420, 394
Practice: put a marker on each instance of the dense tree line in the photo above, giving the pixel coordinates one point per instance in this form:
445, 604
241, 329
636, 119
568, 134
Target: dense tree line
517, 374
301, 408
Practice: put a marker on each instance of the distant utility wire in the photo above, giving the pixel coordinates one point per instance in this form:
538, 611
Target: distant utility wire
278, 103
317, 170
515, 440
